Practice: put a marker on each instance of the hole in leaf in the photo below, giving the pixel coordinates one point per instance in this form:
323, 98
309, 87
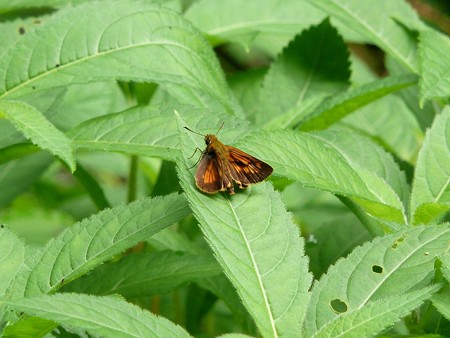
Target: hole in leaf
397, 242
377, 269
2, 226
338, 306
21, 30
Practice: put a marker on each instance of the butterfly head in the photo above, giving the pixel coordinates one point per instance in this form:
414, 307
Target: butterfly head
209, 138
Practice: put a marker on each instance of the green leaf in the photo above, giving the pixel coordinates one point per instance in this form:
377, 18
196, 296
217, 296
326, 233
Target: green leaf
434, 82
146, 274
246, 86
38, 129
125, 40
145, 131
253, 21
362, 152
317, 164
445, 259
13, 29
386, 267
390, 122
48, 102
100, 316
341, 105
12, 255
221, 287
374, 21
376, 316
441, 300
149, 130
168, 239
243, 231
92, 187
86, 101
16, 151
298, 76
18, 175
332, 240
29, 327
430, 196
93, 241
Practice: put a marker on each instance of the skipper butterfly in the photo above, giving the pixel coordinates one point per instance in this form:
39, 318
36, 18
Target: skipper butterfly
221, 165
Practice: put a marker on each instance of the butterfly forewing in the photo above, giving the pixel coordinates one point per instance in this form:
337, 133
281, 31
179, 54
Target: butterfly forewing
247, 169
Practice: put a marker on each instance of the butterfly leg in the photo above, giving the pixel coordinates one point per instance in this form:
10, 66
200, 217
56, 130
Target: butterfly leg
243, 185
195, 151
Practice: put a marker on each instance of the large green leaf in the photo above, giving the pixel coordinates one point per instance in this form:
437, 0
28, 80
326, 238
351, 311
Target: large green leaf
363, 152
12, 255
145, 131
434, 63
150, 130
38, 129
99, 316
317, 164
375, 21
430, 196
93, 241
146, 274
124, 40
303, 71
270, 23
257, 244
388, 266
373, 318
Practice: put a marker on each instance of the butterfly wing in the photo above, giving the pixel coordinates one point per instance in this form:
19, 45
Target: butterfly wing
207, 177
246, 169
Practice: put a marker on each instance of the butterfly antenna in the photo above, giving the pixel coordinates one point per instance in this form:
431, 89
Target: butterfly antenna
194, 131
220, 127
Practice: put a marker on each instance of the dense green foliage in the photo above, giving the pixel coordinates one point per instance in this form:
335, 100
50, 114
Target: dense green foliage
103, 231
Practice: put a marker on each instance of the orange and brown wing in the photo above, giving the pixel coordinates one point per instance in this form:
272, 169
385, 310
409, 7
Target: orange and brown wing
207, 177
247, 169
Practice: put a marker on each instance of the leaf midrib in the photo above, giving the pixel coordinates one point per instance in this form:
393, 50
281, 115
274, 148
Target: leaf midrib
396, 267
255, 266
100, 54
